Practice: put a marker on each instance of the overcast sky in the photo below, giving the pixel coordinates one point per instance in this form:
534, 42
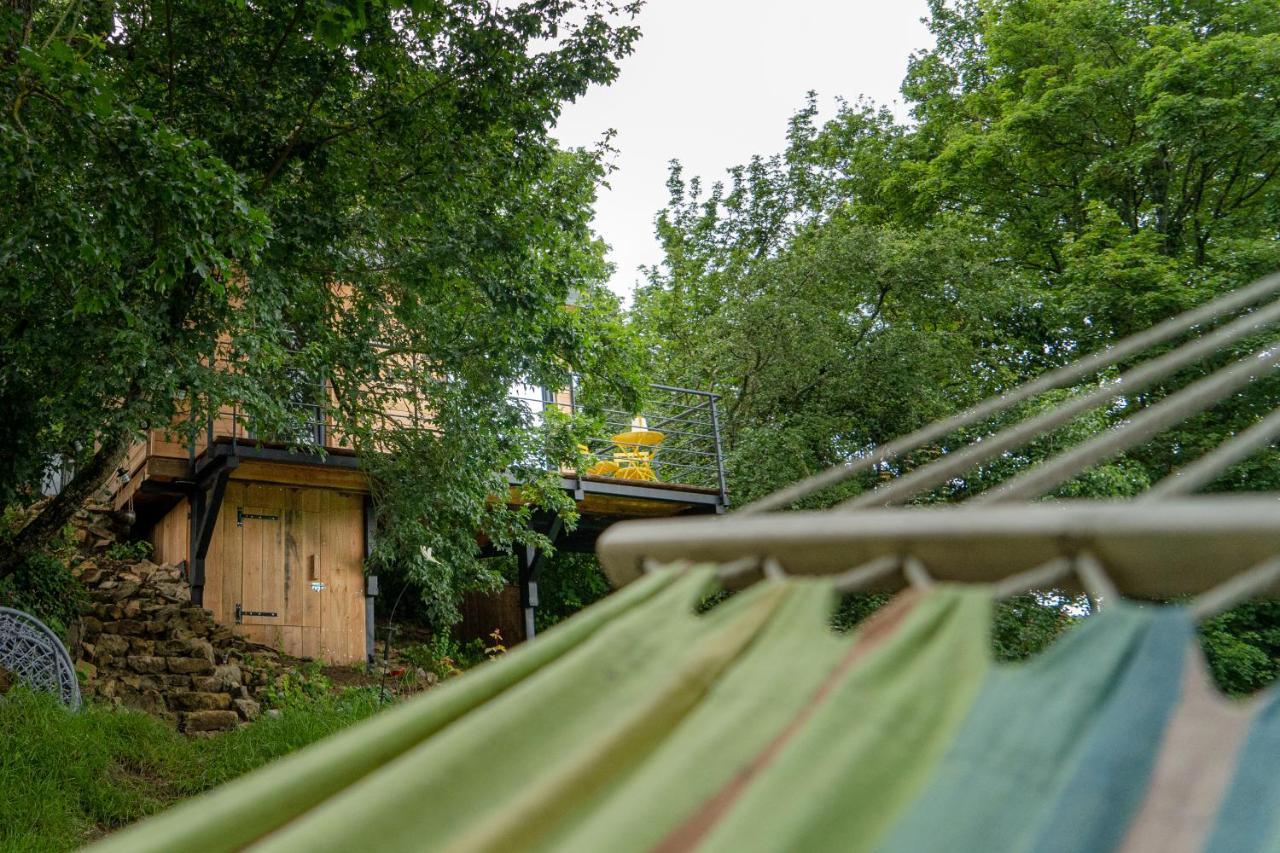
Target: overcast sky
712, 82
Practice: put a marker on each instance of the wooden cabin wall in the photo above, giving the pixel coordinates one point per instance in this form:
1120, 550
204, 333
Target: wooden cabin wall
171, 537
484, 612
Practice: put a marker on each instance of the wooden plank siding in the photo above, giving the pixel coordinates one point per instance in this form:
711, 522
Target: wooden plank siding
171, 537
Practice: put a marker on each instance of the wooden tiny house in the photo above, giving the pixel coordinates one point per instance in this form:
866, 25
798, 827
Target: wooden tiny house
274, 539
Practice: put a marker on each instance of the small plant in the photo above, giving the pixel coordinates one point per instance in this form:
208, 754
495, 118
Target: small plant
360, 701
472, 654
299, 688
496, 647
439, 655
129, 552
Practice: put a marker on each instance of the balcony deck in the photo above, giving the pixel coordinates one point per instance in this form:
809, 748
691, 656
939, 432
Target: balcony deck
687, 467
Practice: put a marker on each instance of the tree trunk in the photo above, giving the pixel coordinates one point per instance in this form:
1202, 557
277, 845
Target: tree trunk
40, 531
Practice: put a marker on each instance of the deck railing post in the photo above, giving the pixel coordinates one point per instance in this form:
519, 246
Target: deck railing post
573, 413
715, 431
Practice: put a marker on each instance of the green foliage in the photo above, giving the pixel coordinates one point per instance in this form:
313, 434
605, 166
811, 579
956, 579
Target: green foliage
44, 587
1026, 625
568, 583
67, 778
224, 204
1022, 626
1243, 647
270, 737
1074, 171
66, 774
42, 584
1119, 156
297, 688
129, 552
824, 331
118, 230
855, 607
441, 655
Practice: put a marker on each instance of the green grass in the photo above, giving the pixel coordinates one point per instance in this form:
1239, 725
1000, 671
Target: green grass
66, 779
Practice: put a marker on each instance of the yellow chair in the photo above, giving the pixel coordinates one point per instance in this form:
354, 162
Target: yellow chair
630, 461
635, 465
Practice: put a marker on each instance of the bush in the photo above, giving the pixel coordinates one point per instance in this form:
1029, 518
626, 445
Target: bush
441, 655
569, 582
446, 657
129, 552
298, 688
43, 586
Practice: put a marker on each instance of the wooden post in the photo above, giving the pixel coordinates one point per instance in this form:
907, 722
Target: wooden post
528, 559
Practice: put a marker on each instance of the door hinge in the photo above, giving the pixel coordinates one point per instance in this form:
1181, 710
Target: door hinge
241, 515
241, 613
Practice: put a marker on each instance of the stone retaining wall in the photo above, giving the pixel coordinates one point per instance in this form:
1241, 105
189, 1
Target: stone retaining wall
144, 645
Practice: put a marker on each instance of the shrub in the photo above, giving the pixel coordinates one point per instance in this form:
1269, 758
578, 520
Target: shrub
569, 582
298, 688
439, 655
129, 552
43, 586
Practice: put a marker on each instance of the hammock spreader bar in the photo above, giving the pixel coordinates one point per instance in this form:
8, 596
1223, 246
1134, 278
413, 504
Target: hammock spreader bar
1150, 549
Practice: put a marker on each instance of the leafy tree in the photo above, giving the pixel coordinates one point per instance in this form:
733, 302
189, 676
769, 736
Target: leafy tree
1243, 646
826, 326
1120, 155
1075, 170
364, 195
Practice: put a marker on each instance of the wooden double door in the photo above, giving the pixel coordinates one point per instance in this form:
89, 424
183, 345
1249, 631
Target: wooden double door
285, 568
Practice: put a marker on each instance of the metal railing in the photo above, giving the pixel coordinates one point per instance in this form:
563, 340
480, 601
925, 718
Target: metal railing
688, 453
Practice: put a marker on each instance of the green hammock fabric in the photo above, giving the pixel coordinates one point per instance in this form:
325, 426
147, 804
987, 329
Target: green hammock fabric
643, 724
628, 727
870, 743
794, 691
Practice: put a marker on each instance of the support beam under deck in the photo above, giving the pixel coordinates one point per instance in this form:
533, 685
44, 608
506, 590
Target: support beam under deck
206, 502
530, 560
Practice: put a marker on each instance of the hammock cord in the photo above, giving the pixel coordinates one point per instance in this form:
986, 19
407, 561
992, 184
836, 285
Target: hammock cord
1208, 467
1150, 421
1131, 382
1061, 377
